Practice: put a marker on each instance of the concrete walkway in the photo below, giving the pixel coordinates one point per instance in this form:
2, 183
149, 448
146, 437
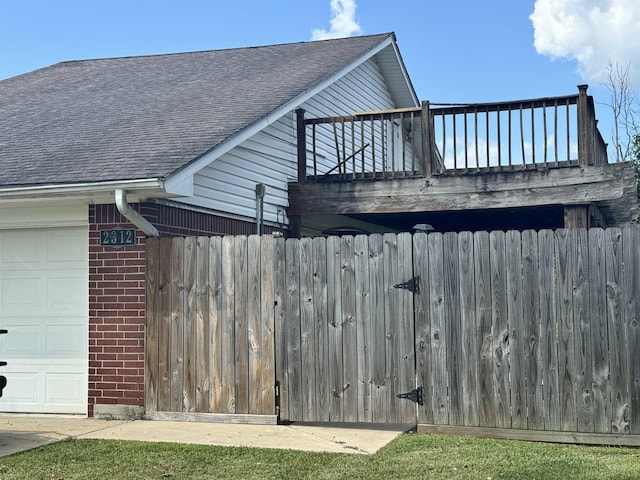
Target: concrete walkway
24, 432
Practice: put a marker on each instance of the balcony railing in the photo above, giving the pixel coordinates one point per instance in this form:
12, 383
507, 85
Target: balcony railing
455, 139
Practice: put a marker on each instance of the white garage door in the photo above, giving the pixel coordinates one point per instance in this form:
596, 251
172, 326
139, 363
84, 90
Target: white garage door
44, 305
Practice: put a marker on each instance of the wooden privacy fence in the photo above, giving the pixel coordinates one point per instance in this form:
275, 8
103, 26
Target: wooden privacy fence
529, 332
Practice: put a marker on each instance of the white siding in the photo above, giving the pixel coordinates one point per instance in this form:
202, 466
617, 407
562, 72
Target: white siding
361, 90
227, 185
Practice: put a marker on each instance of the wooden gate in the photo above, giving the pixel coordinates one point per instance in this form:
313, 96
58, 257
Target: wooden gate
345, 342
209, 346
530, 335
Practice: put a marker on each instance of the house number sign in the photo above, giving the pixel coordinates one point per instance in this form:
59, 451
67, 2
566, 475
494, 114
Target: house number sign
117, 237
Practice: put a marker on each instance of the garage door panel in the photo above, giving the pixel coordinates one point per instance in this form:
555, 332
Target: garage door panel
66, 293
21, 294
66, 341
44, 306
25, 341
22, 247
63, 247
24, 390
63, 389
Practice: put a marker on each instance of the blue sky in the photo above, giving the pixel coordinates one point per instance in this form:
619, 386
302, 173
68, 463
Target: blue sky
454, 50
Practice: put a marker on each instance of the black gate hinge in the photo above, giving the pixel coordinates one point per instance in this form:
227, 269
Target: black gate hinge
415, 396
412, 285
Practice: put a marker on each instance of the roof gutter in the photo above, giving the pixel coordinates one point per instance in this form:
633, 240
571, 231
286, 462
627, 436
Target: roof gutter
80, 189
134, 217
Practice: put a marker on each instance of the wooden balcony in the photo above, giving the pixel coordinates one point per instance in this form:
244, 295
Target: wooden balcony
536, 153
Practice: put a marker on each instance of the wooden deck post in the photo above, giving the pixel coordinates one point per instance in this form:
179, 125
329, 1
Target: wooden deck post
576, 216
295, 226
302, 145
427, 143
585, 152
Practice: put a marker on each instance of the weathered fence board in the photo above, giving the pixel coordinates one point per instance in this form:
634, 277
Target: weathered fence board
267, 380
454, 331
189, 389
350, 352
471, 343
217, 302
548, 288
176, 327
163, 323
482, 271
423, 329
307, 329
319, 268
439, 402
151, 340
522, 331
500, 328
631, 289
232, 328
531, 334
617, 332
566, 355
280, 346
203, 348
599, 332
379, 387
517, 329
583, 340
334, 317
292, 383
363, 315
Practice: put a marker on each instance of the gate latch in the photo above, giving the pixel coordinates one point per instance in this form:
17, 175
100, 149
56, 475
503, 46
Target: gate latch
412, 285
413, 395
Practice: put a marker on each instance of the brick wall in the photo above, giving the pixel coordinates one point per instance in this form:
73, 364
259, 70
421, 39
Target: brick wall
117, 297
116, 314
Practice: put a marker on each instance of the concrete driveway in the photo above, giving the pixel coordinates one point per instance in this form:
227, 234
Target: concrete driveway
24, 432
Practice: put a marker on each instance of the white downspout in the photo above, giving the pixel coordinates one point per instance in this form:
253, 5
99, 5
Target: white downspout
134, 217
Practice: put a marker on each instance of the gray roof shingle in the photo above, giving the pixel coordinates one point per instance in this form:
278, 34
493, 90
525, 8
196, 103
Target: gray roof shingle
145, 117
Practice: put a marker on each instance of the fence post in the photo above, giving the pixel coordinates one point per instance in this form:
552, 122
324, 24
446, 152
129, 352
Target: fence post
427, 137
302, 145
585, 152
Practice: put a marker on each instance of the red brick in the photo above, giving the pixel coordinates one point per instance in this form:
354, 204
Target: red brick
131, 327
114, 364
113, 277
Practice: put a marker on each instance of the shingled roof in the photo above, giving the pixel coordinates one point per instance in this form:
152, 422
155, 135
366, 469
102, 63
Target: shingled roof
145, 117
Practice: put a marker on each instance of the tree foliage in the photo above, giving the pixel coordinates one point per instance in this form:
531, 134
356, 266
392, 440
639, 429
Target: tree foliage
623, 101
625, 106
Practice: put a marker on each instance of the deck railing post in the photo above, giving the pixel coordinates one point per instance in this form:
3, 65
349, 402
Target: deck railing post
302, 145
585, 152
427, 140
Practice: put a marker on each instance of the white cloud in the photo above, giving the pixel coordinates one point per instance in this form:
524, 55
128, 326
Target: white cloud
595, 33
343, 21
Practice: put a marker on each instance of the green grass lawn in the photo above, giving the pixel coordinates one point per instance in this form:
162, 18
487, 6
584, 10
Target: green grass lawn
411, 456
